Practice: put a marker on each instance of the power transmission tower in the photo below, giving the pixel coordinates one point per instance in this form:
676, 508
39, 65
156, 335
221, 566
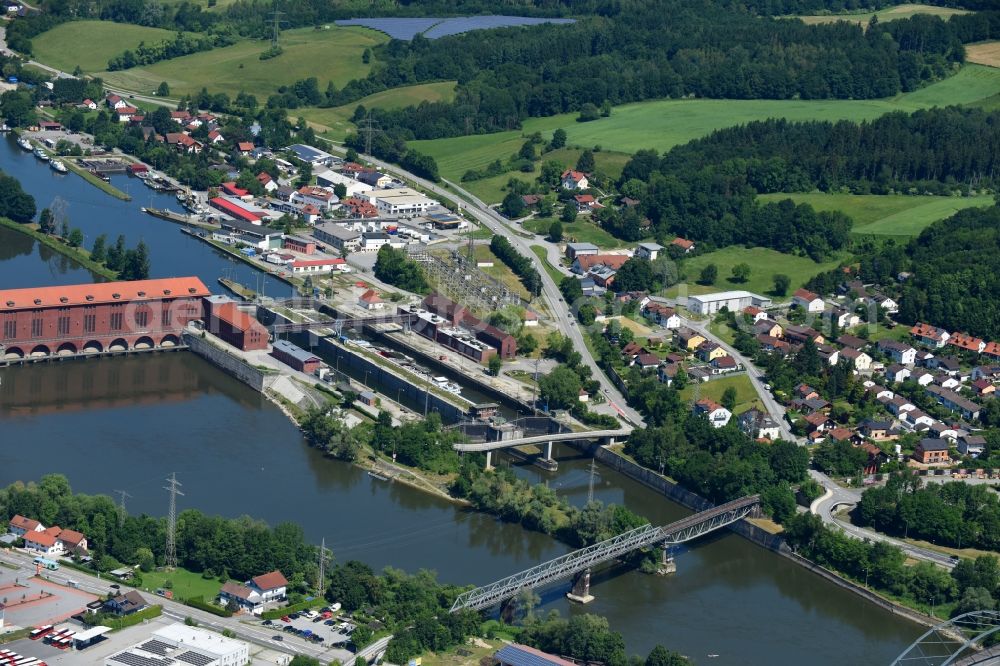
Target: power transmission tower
274, 35
368, 131
171, 554
122, 513
590, 485
324, 554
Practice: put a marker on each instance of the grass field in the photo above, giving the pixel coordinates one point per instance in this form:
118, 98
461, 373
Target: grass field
500, 271
332, 54
335, 122
764, 264
984, 53
746, 397
581, 231
886, 215
663, 124
186, 584
889, 14
90, 44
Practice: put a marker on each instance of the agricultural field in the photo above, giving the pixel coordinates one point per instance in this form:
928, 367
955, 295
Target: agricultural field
239, 67
746, 397
984, 53
888, 14
334, 123
90, 44
663, 124
886, 215
764, 264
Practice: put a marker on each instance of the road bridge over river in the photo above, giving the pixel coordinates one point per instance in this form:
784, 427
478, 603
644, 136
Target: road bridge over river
607, 436
579, 562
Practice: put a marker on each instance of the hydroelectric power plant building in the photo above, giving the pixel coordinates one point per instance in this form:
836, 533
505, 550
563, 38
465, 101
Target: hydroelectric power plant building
95, 318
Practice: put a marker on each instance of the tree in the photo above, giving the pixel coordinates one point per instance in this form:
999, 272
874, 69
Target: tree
99, 252
512, 206
116, 255
555, 231
661, 656
741, 272
558, 139
605, 108
588, 112
46, 222
163, 90
585, 162
340, 190
729, 398
144, 558
75, 237
494, 364
709, 274
568, 212
560, 389
781, 284
366, 56
975, 599
136, 263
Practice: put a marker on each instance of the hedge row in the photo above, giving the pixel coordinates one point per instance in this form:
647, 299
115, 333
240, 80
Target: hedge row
147, 613
201, 604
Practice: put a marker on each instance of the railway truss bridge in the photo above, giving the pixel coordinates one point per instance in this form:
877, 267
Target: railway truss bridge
578, 563
957, 641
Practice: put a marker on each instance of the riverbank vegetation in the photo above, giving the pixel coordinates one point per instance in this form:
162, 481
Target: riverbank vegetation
77, 254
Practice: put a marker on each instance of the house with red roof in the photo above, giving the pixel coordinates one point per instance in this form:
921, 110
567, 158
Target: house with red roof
180, 117
574, 180
992, 350
807, 300
19, 525
683, 244
716, 414
586, 203
268, 183
125, 113
370, 300
89, 104
215, 136
270, 586
932, 336
967, 342
115, 102
45, 543
245, 147
72, 541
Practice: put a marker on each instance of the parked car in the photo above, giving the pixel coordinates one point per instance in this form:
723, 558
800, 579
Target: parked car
285, 618
268, 623
277, 637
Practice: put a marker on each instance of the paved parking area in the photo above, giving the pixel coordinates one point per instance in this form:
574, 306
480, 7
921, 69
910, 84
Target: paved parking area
31, 601
330, 633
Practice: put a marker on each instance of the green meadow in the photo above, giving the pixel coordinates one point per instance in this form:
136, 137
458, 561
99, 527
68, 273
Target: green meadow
90, 44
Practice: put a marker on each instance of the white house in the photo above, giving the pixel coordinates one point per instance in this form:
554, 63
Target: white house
716, 414
808, 301
116, 102
861, 361
332, 178
321, 198
897, 351
44, 543
574, 180
648, 251
370, 300
758, 425
887, 304
271, 586
19, 525
246, 599
307, 266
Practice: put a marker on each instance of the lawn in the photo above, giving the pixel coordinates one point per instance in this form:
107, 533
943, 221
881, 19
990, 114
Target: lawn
330, 54
500, 271
90, 44
335, 122
984, 53
581, 231
886, 215
890, 14
549, 268
662, 124
746, 397
764, 264
186, 583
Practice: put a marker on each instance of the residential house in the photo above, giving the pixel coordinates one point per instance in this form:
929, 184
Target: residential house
922, 377
663, 315
574, 180
991, 372
215, 137
943, 431
972, 445
852, 341
810, 405
806, 392
897, 405
716, 414
758, 424
876, 457
125, 113
861, 361
754, 314
845, 318
685, 245
271, 586
932, 452
247, 600
879, 431
839, 434
947, 364
667, 372
370, 300
955, 402
45, 543
375, 179
646, 361
359, 209
648, 251
586, 203
886, 303
913, 418
769, 343
992, 350
800, 334
967, 342
89, 104
125, 604
983, 388
71, 541
898, 352
897, 373
269, 184
115, 102
321, 198
688, 338
19, 525
808, 301
723, 364
930, 336
709, 351
574, 250
768, 327
820, 422
827, 354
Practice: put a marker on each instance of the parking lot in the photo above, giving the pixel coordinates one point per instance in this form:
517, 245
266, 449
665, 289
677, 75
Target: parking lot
31, 601
332, 630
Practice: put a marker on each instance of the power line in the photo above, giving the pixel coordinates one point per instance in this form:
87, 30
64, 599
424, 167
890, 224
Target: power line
122, 513
590, 484
274, 35
171, 554
324, 554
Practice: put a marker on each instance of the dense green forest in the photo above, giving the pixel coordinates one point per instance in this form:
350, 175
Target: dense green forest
954, 268
952, 514
938, 150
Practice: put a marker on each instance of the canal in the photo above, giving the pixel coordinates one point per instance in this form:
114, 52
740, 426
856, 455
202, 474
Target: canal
127, 423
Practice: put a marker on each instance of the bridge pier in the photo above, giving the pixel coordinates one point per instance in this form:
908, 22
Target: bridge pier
489, 460
581, 588
548, 451
667, 564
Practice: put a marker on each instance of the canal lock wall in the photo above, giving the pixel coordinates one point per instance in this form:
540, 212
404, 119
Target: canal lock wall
231, 365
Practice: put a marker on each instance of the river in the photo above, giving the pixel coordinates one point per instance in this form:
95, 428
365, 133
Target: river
126, 424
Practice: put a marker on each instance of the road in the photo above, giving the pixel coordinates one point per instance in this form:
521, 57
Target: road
837, 496
254, 633
564, 319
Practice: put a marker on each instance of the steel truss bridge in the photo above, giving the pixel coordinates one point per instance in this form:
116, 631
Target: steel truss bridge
339, 325
582, 560
953, 642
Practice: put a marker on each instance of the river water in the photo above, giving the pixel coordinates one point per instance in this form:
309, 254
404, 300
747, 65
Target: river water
128, 423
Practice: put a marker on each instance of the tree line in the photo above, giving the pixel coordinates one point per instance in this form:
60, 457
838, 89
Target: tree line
181, 45
517, 262
15, 203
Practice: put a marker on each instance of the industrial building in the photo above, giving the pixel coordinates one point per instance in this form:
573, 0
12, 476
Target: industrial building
399, 202
224, 319
295, 357
459, 316
734, 301
94, 318
181, 644
441, 331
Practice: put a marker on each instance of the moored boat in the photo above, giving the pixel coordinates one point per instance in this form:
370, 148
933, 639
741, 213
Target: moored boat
24, 143
41, 154
58, 166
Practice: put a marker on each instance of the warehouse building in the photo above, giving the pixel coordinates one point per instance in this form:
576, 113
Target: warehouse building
734, 301
181, 644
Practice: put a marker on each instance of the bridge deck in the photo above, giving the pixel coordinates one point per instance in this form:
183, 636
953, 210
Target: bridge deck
584, 558
541, 439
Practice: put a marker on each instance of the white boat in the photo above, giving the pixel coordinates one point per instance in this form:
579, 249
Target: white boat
452, 387
58, 166
440, 380
41, 154
24, 143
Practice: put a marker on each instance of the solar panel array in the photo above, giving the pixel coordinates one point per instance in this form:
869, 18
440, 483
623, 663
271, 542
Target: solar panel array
133, 659
195, 658
156, 647
434, 28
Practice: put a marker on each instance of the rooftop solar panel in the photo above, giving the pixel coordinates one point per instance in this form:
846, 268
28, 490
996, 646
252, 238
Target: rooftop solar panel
133, 659
156, 647
195, 658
